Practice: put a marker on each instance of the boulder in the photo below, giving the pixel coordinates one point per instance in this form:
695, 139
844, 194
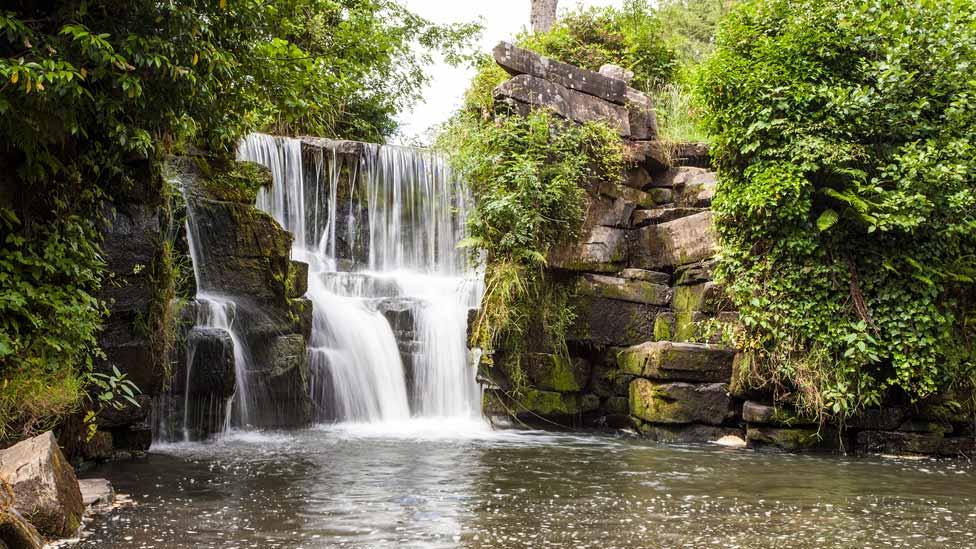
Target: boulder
694, 189
691, 433
636, 291
656, 216
551, 372
617, 72
611, 212
97, 493
602, 321
565, 102
602, 249
518, 61
15, 531
680, 402
680, 242
44, 485
669, 361
653, 277
637, 178
632, 195
654, 156
691, 154
211, 359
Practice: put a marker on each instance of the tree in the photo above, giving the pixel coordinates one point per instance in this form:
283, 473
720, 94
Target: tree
543, 15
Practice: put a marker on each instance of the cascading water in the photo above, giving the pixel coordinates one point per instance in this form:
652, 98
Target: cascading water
378, 226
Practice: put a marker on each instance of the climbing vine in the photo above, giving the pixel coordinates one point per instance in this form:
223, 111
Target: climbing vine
846, 144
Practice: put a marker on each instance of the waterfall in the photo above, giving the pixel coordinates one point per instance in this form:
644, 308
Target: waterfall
378, 226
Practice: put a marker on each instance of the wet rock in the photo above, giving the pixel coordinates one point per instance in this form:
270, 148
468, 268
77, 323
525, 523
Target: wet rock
552, 403
898, 442
655, 216
132, 439
756, 412
98, 447
97, 493
551, 372
684, 434
680, 402
669, 361
608, 381
111, 417
879, 419
211, 363
44, 485
653, 277
602, 249
636, 291
790, 439
565, 102
617, 72
519, 61
680, 242
602, 321
617, 405
297, 280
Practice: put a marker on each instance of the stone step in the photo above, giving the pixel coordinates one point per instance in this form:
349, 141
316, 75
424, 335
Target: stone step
681, 242
516, 61
622, 289
656, 216
679, 402
671, 361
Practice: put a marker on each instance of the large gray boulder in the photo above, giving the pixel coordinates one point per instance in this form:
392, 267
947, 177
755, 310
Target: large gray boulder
570, 104
518, 61
44, 485
670, 361
680, 402
679, 242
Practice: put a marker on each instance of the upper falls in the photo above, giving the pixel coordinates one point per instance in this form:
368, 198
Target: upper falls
378, 227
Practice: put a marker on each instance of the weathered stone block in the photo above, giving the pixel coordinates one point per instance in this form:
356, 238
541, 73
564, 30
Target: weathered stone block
705, 297
643, 117
602, 321
696, 273
636, 291
297, 279
15, 531
603, 249
680, 402
653, 277
634, 196
669, 361
789, 439
550, 403
611, 212
674, 243
519, 61
617, 72
551, 372
44, 485
565, 102
684, 434
654, 156
637, 178
211, 352
898, 442
656, 216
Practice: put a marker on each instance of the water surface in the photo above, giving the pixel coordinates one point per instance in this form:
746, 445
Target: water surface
413, 484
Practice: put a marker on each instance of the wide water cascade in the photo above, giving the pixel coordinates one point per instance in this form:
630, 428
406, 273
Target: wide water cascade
378, 227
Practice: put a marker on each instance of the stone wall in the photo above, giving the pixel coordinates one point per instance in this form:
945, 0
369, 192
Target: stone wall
645, 353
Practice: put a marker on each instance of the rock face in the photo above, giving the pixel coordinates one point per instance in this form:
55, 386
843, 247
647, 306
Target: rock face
623, 289
680, 402
679, 242
518, 61
44, 485
15, 531
670, 361
570, 104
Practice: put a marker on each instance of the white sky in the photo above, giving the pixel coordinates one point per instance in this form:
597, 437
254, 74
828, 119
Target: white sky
501, 19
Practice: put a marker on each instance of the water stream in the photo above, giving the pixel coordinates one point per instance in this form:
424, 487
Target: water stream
378, 226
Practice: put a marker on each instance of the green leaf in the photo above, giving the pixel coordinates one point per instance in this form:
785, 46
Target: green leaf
827, 220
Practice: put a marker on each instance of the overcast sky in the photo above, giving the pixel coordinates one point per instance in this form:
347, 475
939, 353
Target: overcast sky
502, 20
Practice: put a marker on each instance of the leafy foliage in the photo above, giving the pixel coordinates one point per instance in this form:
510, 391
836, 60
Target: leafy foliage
846, 143
631, 37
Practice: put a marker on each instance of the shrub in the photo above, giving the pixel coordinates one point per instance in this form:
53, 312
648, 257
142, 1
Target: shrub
845, 138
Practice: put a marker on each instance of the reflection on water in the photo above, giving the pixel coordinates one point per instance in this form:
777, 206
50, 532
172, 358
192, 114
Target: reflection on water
413, 485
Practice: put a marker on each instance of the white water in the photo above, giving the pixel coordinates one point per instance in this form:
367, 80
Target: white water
380, 234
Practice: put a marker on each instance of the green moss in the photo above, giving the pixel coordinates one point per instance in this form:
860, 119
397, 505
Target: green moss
549, 403
233, 181
662, 327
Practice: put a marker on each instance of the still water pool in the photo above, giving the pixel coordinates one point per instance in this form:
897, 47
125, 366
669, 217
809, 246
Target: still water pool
419, 484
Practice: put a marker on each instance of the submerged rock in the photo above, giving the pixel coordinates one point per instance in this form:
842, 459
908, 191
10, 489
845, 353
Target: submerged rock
44, 485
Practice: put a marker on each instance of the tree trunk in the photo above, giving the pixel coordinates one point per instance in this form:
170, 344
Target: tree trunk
543, 15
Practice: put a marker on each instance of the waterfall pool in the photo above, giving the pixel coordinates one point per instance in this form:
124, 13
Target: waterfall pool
419, 484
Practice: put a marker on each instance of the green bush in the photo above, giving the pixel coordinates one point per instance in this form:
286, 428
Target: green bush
631, 37
845, 137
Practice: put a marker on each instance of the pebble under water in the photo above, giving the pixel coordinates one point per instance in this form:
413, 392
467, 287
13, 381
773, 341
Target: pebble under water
411, 485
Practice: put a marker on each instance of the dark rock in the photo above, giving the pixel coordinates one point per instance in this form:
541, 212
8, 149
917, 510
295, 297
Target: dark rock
654, 156
655, 216
637, 178
133, 438
111, 417
611, 212
680, 242
297, 280
623, 289
791, 439
695, 190
602, 321
898, 442
879, 419
755, 412
669, 361
680, 402
44, 485
565, 102
211, 359
695, 273
15, 531
631, 195
691, 154
743, 385
519, 61
99, 447
602, 249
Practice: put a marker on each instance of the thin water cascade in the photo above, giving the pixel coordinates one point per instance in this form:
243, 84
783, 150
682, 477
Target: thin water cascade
378, 226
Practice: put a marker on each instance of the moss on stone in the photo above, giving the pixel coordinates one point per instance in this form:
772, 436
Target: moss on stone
663, 324
549, 403
233, 181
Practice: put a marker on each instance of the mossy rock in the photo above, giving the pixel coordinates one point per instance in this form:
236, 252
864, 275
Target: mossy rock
680, 402
673, 361
233, 180
623, 289
548, 403
555, 372
764, 414
796, 439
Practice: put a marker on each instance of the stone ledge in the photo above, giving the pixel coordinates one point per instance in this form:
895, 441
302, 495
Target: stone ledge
669, 361
518, 61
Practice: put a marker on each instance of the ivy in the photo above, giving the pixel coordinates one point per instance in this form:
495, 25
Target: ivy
846, 145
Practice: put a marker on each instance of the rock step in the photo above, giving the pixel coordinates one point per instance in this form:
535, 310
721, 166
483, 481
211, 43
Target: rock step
623, 289
672, 361
679, 402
